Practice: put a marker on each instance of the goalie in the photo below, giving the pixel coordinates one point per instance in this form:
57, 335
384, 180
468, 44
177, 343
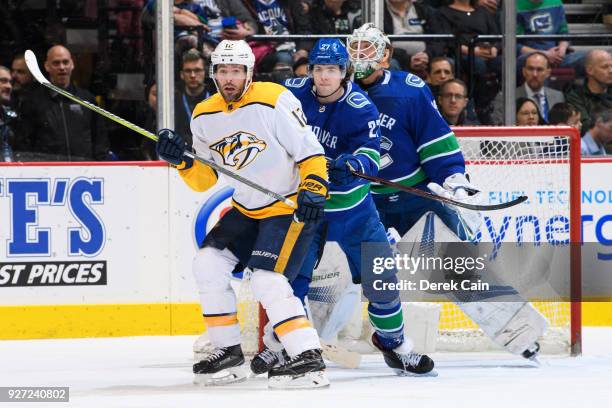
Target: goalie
418, 149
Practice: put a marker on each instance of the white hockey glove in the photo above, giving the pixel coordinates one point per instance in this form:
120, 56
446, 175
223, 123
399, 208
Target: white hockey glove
459, 188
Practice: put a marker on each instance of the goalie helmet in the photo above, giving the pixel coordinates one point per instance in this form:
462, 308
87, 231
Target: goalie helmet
329, 52
233, 52
366, 47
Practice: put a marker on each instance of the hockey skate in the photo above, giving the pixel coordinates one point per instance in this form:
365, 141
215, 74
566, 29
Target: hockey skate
532, 353
221, 366
306, 370
266, 359
406, 364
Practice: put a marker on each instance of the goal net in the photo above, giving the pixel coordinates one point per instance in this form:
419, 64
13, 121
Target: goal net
542, 163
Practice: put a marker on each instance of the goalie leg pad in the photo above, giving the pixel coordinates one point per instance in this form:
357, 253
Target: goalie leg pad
515, 326
285, 312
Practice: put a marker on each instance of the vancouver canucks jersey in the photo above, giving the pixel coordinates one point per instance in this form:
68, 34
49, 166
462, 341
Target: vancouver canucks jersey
416, 143
349, 125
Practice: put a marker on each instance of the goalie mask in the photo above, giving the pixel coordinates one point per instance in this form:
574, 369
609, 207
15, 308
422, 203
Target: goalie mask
233, 53
366, 47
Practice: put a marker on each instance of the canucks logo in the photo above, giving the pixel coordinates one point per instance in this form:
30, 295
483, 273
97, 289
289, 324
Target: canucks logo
239, 149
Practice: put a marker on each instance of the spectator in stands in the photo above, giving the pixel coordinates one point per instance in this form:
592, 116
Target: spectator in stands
535, 73
441, 69
528, 113
51, 124
280, 17
564, 114
6, 86
148, 118
22, 78
596, 92
333, 17
188, 14
466, 19
544, 17
192, 91
491, 5
599, 135
300, 67
412, 17
453, 102
7, 115
208, 14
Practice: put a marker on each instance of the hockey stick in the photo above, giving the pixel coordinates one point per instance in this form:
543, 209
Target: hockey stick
431, 196
32, 64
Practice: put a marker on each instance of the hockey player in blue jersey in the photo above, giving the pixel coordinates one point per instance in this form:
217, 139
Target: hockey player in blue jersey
346, 124
418, 149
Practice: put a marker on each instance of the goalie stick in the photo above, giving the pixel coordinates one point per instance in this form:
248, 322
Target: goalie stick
32, 64
431, 196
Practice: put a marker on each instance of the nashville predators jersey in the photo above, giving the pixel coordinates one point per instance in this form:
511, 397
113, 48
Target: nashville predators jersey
262, 137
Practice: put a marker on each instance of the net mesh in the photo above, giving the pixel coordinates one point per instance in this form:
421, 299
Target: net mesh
503, 167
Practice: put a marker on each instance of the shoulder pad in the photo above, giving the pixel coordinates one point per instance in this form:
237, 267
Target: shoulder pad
296, 82
414, 80
357, 100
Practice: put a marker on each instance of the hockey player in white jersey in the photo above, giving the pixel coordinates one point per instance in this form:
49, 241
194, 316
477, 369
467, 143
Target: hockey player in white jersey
258, 131
420, 150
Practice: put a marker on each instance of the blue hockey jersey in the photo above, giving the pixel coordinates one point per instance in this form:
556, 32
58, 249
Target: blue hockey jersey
349, 125
416, 143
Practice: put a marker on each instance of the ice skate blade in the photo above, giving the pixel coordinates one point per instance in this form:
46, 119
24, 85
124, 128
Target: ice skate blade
224, 377
316, 379
403, 373
535, 360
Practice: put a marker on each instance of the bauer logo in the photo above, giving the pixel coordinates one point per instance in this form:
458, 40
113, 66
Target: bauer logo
52, 225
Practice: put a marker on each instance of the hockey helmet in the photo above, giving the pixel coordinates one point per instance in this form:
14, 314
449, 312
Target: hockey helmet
329, 51
233, 52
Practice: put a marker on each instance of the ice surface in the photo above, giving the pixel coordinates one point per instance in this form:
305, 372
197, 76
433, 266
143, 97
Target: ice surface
156, 372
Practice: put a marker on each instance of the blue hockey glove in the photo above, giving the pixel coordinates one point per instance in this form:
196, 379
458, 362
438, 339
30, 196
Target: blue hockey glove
171, 147
340, 169
310, 206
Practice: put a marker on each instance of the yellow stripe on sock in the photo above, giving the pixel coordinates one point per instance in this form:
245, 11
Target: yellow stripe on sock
225, 320
291, 325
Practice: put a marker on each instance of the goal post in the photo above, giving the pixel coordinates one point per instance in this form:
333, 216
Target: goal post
549, 147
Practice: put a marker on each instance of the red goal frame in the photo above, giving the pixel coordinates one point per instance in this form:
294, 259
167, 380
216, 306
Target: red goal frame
573, 136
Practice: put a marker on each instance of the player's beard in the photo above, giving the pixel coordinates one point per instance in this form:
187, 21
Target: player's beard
233, 95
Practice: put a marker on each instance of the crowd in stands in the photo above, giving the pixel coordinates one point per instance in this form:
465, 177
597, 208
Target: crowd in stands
40, 125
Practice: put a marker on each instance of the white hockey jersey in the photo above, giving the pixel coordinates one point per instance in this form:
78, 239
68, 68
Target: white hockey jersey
264, 138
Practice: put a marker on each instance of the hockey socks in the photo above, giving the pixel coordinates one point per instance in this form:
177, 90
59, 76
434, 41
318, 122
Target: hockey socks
388, 322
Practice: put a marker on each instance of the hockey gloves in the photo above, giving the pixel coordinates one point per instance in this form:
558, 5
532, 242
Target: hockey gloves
171, 147
340, 169
459, 188
312, 194
309, 206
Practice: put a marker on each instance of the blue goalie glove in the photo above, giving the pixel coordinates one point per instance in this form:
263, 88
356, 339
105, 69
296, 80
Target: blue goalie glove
171, 147
340, 169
